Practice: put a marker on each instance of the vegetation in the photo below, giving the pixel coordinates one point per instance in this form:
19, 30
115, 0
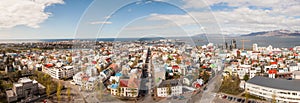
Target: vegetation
246, 77
69, 93
169, 90
274, 98
247, 95
58, 92
48, 90
230, 85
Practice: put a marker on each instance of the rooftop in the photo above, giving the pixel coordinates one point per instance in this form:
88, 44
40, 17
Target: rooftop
293, 85
9, 93
24, 80
169, 82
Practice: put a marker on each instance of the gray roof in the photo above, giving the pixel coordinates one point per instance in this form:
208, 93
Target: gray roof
293, 85
172, 83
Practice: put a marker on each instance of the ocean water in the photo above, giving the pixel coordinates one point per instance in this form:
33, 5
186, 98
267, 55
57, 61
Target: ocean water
276, 42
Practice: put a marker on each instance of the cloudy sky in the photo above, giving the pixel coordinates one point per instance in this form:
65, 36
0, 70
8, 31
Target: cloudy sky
48, 19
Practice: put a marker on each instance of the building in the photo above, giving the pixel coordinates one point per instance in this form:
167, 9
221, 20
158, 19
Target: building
126, 88
282, 90
163, 90
60, 72
296, 75
77, 78
24, 88
255, 47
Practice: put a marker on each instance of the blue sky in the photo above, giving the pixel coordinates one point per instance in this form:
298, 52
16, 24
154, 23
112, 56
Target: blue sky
51, 19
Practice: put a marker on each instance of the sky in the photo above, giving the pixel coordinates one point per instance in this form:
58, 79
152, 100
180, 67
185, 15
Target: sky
61, 19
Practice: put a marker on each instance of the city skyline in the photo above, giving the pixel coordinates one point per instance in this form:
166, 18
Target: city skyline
59, 19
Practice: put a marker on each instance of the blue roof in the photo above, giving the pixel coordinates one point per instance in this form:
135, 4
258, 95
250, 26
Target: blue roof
114, 86
118, 74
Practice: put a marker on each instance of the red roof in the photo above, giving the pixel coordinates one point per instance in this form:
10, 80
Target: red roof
123, 82
49, 65
197, 85
130, 83
273, 71
273, 62
175, 67
113, 67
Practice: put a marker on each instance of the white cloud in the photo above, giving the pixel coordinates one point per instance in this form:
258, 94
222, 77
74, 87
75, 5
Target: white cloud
101, 22
107, 17
239, 21
24, 12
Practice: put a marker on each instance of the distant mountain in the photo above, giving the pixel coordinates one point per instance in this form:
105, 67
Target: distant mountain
284, 33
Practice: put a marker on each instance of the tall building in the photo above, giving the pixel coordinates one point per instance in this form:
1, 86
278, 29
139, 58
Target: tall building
233, 43
255, 47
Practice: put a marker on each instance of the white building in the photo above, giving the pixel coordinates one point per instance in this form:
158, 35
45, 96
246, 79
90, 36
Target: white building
255, 47
163, 90
280, 89
252, 73
77, 78
60, 72
296, 75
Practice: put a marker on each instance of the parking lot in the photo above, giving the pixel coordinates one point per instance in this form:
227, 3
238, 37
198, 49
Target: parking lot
236, 99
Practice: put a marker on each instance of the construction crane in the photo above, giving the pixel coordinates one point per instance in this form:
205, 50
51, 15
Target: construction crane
243, 42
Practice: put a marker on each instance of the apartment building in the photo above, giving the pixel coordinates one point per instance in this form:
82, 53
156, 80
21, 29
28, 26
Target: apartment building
163, 90
60, 72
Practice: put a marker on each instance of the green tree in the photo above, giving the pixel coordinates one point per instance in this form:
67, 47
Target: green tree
69, 93
246, 77
48, 90
246, 95
205, 76
274, 98
58, 92
169, 89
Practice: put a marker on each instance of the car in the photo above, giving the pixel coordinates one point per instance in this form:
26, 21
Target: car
181, 97
72, 82
224, 97
239, 100
229, 98
174, 97
243, 101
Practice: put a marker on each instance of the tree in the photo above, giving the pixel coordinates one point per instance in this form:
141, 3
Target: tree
69, 93
205, 76
246, 95
274, 98
58, 92
246, 77
113, 81
169, 89
178, 60
48, 90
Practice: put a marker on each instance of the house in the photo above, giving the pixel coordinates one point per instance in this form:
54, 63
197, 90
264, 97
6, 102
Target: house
252, 73
188, 80
77, 78
169, 88
296, 75
272, 73
126, 88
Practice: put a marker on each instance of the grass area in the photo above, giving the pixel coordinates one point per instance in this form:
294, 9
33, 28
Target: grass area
231, 85
232, 92
252, 97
